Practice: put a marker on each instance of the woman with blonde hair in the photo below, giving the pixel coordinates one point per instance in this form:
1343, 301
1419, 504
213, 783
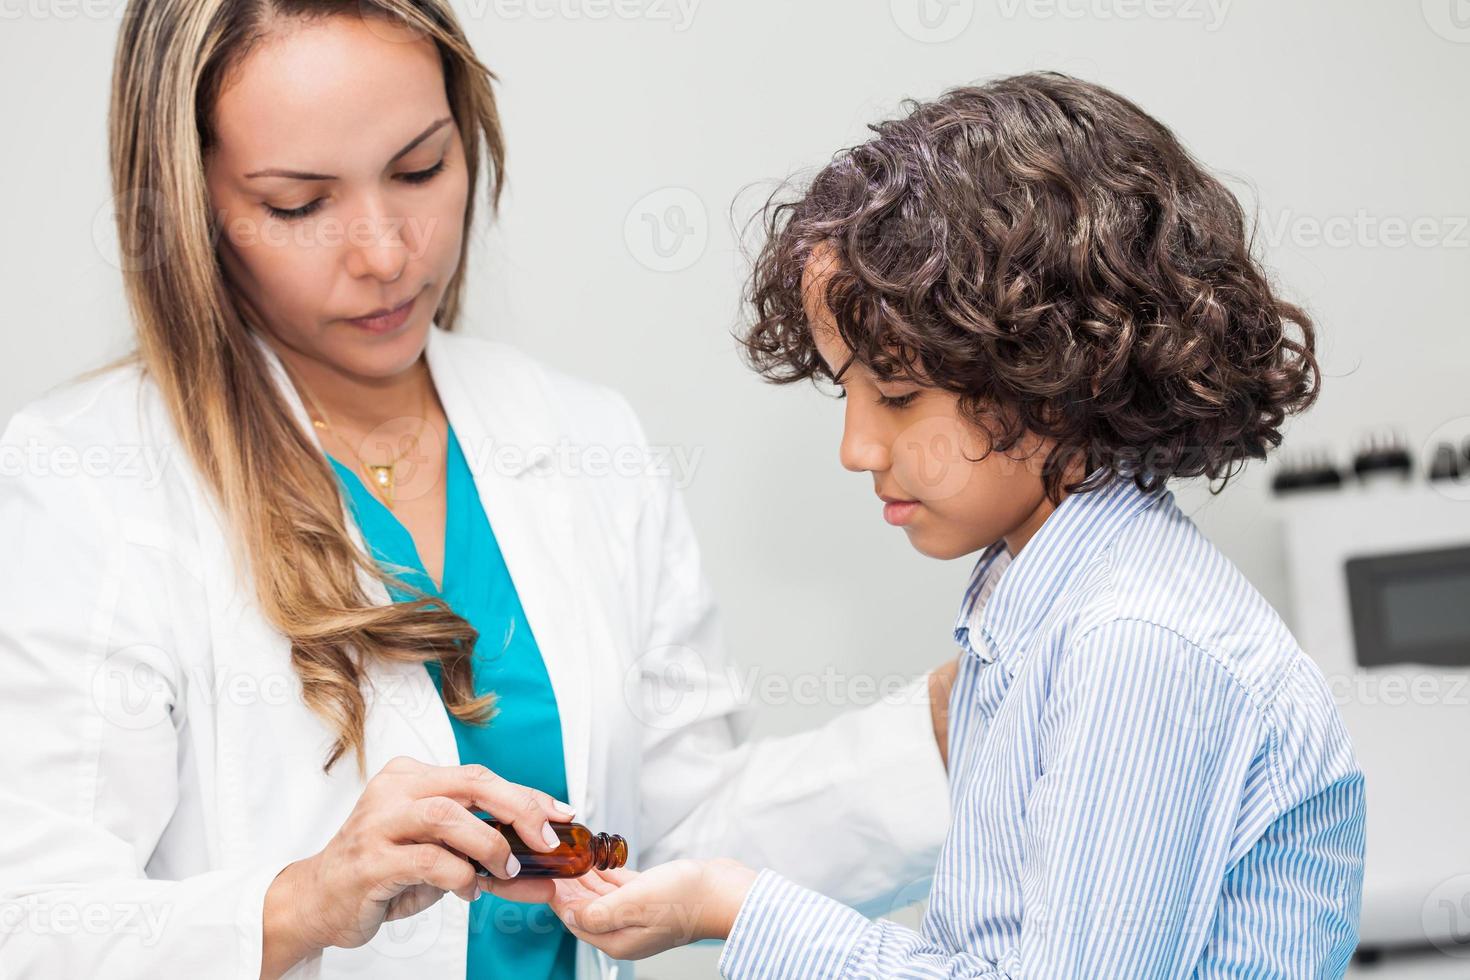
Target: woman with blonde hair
260, 687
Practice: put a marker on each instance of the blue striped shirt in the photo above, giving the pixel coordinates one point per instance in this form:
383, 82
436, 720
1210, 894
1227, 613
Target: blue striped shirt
1148, 779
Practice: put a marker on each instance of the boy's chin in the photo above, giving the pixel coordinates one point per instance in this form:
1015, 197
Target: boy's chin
934, 537
933, 542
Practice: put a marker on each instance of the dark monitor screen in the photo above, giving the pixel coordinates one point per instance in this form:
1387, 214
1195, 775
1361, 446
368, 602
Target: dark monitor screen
1411, 608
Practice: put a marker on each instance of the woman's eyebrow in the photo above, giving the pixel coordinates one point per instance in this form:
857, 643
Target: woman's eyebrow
304, 175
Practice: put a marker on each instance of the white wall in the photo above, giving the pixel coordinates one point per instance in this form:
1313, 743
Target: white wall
1329, 110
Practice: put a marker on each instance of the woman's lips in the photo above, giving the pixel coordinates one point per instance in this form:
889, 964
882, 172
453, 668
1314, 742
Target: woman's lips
899, 512
391, 320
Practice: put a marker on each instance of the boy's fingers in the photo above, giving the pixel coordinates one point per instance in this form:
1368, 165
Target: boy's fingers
619, 876
571, 893
596, 918
596, 882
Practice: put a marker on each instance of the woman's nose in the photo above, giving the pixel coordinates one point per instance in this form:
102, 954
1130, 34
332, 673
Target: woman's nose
376, 246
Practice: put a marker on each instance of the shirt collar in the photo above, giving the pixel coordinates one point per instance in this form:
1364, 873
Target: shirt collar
1000, 613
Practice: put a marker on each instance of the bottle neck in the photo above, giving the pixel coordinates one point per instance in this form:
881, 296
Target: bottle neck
609, 851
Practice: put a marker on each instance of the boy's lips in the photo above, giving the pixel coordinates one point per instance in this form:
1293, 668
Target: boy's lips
898, 511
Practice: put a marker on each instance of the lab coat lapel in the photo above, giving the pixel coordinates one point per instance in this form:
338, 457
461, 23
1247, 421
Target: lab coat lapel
402, 689
500, 418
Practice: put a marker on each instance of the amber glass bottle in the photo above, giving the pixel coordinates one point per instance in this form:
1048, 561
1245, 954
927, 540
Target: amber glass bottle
580, 851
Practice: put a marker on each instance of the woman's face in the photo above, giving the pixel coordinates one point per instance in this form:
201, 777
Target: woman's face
338, 179
925, 457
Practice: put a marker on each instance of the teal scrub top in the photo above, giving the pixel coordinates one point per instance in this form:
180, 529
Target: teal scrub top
509, 940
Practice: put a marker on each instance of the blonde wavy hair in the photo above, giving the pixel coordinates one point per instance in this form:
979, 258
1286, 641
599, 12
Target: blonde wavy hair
276, 489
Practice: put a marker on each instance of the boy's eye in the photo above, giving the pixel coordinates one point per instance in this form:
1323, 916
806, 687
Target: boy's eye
897, 401
416, 177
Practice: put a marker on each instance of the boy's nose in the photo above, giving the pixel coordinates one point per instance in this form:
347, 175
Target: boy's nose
864, 448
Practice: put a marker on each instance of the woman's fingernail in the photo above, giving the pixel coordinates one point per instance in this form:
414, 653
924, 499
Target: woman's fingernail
566, 808
512, 867
550, 835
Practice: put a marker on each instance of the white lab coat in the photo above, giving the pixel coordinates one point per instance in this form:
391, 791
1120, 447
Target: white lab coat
160, 766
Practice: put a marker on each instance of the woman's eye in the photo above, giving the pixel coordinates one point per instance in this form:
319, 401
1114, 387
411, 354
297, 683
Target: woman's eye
897, 401
416, 177
290, 214
422, 176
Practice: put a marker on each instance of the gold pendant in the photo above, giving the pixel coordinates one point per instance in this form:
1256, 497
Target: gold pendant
383, 480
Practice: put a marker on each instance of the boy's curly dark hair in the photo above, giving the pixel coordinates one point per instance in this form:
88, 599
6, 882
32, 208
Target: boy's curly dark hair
1045, 249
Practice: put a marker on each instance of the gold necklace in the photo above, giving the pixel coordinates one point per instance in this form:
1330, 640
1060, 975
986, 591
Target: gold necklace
381, 476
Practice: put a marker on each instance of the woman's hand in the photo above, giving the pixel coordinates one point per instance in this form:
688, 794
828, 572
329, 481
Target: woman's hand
401, 849
630, 914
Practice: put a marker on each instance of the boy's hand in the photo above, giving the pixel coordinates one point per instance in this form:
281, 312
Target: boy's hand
630, 915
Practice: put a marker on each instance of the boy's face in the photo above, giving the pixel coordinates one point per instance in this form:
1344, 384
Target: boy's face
924, 456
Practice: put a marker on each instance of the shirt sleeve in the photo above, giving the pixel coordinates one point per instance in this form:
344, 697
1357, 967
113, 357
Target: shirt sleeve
1144, 747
